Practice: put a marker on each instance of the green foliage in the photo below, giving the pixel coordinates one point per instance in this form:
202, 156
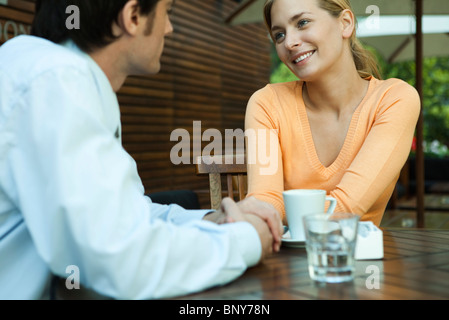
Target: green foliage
435, 94
282, 74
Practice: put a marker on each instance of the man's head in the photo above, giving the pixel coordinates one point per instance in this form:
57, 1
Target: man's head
97, 18
125, 37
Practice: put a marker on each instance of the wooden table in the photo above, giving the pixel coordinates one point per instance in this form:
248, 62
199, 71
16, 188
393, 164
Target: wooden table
415, 266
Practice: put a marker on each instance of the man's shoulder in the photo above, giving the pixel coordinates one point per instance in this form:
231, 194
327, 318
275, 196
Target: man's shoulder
28, 56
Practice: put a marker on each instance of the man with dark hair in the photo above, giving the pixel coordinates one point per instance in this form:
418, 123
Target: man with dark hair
71, 199
97, 20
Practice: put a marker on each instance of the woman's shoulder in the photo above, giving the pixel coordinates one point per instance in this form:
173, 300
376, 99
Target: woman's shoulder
276, 90
396, 93
274, 97
395, 86
290, 86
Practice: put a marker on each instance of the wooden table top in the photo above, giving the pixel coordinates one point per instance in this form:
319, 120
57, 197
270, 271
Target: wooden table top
415, 266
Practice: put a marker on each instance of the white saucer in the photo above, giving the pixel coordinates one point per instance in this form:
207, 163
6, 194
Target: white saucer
293, 243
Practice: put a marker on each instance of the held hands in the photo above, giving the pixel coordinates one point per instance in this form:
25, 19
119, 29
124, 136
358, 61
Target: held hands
267, 213
261, 215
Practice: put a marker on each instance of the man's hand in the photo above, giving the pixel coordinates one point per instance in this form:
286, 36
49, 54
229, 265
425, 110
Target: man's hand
218, 216
234, 214
267, 213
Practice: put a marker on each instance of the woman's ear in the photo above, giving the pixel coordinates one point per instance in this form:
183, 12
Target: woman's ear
129, 18
348, 23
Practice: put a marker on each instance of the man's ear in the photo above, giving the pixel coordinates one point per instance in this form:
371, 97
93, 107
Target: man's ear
129, 18
348, 23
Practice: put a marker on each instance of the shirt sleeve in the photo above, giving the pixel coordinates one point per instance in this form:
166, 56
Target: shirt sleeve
175, 213
84, 204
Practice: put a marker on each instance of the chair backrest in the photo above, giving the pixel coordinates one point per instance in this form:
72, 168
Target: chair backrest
231, 166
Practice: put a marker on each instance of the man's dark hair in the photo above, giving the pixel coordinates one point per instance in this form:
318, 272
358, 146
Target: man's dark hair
96, 20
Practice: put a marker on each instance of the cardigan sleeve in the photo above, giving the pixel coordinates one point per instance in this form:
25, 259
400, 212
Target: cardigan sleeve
383, 153
264, 155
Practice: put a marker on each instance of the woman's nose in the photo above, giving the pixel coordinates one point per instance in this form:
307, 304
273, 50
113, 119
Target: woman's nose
292, 41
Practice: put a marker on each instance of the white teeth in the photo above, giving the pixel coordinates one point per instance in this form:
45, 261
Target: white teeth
305, 56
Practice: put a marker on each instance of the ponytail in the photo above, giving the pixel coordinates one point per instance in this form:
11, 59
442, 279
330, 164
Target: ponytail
365, 61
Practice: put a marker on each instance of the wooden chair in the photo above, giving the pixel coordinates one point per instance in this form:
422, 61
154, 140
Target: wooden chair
233, 167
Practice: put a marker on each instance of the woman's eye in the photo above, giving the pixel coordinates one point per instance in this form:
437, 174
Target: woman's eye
302, 23
279, 36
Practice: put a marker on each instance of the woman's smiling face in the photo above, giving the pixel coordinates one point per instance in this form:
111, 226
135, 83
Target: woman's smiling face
307, 38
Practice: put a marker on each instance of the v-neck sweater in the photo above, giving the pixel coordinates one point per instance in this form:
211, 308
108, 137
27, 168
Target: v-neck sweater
364, 174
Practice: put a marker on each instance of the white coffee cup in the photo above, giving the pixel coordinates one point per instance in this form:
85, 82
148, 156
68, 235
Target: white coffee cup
300, 202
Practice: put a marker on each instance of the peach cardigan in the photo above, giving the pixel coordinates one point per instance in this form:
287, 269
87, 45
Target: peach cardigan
363, 176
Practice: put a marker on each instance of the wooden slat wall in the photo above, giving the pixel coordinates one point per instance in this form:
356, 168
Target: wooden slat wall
209, 71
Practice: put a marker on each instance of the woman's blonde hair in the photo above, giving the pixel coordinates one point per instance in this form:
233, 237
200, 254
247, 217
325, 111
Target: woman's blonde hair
365, 61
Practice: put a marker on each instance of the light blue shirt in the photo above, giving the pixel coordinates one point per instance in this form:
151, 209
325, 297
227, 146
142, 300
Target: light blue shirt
70, 195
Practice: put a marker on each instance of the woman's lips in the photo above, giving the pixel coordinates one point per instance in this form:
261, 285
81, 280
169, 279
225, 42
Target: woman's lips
303, 56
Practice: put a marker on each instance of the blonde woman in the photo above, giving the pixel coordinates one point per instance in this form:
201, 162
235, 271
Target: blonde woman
339, 128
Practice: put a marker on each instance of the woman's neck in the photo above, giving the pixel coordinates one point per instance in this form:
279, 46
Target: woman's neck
337, 89
335, 93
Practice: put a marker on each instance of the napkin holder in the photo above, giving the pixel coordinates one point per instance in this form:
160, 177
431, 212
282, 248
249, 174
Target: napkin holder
369, 245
